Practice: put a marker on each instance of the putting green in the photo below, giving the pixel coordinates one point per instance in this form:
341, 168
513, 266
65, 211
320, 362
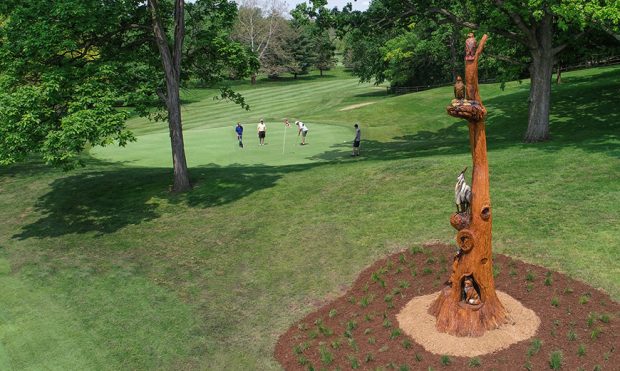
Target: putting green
219, 146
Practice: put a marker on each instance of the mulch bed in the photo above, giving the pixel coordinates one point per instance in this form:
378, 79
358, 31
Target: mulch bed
360, 330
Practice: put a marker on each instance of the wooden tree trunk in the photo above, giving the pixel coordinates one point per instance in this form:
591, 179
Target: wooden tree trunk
475, 259
171, 62
179, 162
541, 72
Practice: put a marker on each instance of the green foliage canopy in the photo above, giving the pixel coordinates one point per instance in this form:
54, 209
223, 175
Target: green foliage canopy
71, 69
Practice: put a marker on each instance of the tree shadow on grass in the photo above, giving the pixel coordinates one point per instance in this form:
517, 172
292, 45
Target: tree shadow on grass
108, 199
583, 116
378, 93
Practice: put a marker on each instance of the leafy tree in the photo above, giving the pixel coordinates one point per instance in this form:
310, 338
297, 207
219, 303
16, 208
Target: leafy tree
542, 29
69, 66
261, 26
300, 48
320, 21
545, 28
325, 51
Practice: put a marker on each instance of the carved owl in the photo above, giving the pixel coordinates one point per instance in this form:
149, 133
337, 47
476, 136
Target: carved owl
459, 88
470, 47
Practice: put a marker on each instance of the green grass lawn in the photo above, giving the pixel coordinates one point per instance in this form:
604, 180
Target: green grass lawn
102, 268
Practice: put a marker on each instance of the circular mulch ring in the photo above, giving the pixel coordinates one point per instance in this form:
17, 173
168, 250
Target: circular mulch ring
579, 325
416, 322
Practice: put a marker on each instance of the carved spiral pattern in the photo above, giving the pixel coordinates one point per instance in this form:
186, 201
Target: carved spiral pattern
465, 240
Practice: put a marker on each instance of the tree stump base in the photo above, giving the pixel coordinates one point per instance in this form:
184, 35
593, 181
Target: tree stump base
458, 318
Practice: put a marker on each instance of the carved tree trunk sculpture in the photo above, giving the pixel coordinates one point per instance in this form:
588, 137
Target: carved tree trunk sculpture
455, 314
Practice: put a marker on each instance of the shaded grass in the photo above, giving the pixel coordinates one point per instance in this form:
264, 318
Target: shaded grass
131, 276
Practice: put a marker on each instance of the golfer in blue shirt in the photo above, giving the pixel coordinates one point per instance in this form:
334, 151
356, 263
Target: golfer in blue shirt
239, 130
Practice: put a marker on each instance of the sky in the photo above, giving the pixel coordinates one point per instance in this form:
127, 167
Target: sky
357, 5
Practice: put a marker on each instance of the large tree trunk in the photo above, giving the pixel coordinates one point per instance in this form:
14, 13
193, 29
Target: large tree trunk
541, 72
179, 163
171, 61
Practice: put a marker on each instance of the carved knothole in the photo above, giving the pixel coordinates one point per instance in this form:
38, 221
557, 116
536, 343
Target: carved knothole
465, 240
485, 213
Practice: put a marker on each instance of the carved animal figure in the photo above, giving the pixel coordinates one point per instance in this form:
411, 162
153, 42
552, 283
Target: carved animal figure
459, 88
471, 296
470, 47
462, 193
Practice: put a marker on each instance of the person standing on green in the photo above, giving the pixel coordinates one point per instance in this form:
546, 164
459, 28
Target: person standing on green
262, 132
239, 130
356, 141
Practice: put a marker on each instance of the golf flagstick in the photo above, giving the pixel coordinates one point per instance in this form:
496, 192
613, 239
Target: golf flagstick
284, 141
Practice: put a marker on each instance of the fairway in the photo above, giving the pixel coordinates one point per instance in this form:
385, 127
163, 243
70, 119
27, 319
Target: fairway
139, 233
219, 146
102, 268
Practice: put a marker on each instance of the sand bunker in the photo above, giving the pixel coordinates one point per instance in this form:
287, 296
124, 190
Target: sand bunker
354, 106
415, 321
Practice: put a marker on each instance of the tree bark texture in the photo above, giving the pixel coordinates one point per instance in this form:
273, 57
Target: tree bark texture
541, 72
171, 61
474, 260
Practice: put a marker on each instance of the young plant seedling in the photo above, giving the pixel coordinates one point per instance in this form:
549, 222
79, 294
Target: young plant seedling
555, 360
445, 360
534, 347
555, 301
326, 357
581, 351
474, 362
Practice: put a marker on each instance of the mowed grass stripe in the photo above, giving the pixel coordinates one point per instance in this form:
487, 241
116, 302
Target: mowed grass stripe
274, 103
209, 279
270, 102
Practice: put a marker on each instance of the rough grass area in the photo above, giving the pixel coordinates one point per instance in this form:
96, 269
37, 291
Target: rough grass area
103, 268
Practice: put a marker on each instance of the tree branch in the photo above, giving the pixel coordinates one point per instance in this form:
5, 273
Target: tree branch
179, 35
452, 18
505, 59
518, 21
161, 39
559, 48
481, 46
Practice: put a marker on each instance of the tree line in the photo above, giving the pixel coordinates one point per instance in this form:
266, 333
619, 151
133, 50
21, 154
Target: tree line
68, 68
281, 43
419, 42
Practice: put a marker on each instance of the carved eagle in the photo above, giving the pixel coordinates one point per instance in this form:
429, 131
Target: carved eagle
459, 88
462, 193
